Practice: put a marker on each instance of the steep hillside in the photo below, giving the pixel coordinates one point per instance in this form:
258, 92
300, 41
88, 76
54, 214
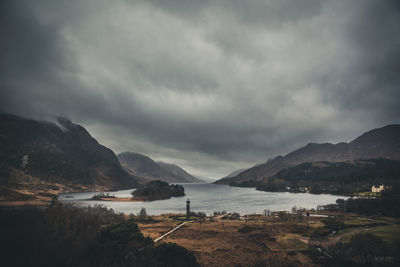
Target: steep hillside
342, 178
234, 173
60, 153
179, 172
145, 167
378, 143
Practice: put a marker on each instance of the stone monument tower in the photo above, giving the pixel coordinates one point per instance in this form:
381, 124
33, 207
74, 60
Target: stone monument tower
187, 209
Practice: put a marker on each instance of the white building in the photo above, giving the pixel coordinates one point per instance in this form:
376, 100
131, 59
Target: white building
377, 189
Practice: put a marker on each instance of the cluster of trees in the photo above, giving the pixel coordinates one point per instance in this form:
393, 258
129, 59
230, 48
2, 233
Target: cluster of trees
294, 217
365, 249
155, 190
222, 212
64, 235
231, 216
103, 195
199, 214
387, 204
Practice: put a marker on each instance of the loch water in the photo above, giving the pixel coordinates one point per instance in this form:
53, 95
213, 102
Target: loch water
209, 198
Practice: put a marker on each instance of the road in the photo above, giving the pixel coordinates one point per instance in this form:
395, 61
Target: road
171, 231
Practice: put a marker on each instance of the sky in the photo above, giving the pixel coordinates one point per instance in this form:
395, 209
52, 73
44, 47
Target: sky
213, 86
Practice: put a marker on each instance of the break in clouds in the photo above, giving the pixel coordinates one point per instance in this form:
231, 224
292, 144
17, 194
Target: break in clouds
212, 86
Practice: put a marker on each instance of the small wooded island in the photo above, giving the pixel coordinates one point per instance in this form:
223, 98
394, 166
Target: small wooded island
154, 190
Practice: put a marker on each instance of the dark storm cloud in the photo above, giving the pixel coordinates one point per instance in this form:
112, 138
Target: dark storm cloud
372, 79
210, 85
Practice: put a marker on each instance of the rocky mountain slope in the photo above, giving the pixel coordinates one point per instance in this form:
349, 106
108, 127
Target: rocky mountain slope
143, 166
378, 143
36, 153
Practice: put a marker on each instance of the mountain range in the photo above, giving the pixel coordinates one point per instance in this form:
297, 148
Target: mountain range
146, 168
378, 143
61, 156
43, 158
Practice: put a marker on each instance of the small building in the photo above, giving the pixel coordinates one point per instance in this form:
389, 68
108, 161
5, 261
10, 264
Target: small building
377, 189
267, 213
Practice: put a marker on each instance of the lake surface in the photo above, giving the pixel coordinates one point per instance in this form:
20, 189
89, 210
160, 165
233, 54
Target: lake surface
209, 198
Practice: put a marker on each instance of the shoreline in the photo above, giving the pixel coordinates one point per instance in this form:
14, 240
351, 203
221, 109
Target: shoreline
118, 199
127, 199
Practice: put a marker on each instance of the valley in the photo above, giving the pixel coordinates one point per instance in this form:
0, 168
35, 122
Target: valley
294, 218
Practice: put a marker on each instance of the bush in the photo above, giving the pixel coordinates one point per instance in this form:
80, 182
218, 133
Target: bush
333, 224
143, 213
123, 244
364, 249
172, 255
367, 247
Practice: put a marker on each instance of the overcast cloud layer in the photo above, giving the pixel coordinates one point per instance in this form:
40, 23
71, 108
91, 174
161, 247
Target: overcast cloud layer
213, 86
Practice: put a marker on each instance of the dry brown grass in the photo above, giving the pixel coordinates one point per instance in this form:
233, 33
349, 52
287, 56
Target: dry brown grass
235, 242
24, 189
158, 226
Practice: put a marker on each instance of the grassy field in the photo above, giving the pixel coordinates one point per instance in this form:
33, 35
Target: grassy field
263, 241
236, 242
390, 234
357, 221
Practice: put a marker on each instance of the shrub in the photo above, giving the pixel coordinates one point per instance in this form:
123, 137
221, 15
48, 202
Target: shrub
367, 247
172, 255
333, 224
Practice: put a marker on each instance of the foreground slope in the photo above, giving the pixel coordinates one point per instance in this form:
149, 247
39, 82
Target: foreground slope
63, 153
378, 143
145, 167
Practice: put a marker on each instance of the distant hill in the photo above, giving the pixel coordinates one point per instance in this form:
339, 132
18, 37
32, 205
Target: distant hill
206, 179
378, 143
234, 173
341, 178
33, 153
179, 172
143, 166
